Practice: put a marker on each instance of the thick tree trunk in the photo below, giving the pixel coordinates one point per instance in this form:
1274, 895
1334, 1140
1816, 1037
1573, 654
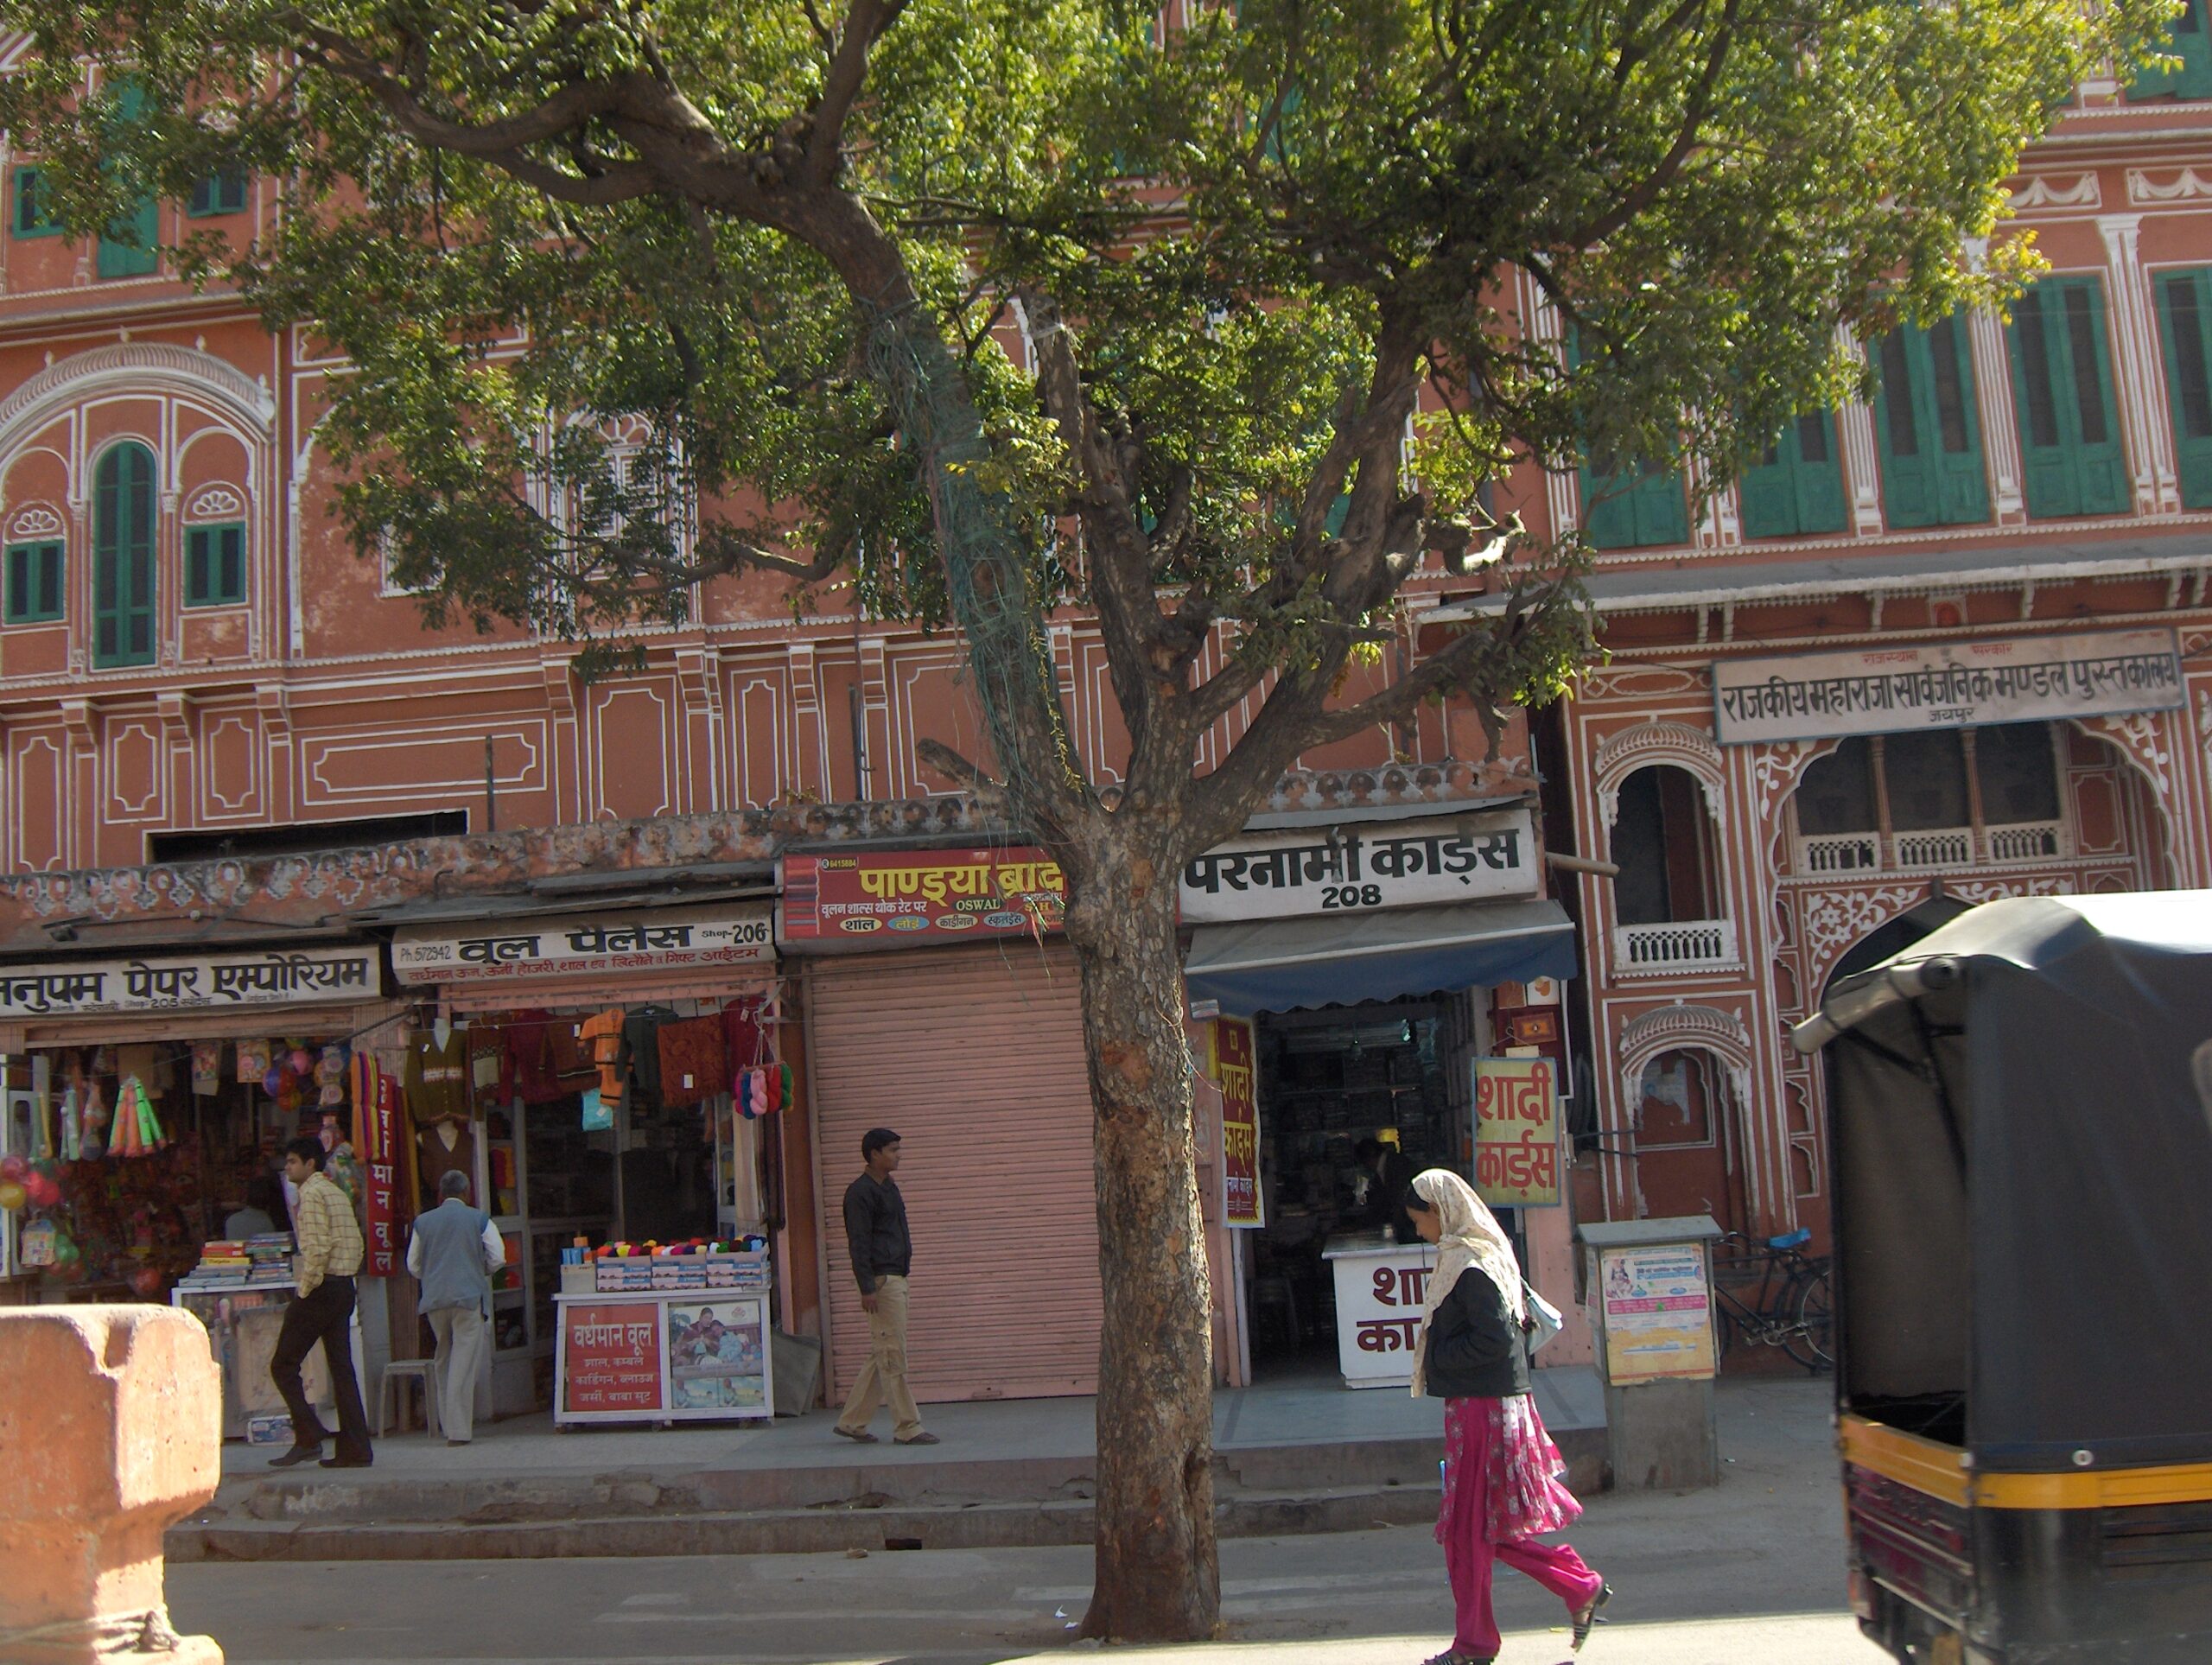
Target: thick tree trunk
1157, 1577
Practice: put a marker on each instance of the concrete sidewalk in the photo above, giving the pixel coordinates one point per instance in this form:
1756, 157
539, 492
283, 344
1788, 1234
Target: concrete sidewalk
1295, 1455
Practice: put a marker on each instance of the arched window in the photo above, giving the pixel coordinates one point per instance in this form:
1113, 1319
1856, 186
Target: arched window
122, 557
1663, 843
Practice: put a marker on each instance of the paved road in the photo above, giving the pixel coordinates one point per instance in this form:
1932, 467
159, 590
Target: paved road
1751, 1571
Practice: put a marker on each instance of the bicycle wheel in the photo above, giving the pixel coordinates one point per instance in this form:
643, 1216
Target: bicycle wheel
1724, 1334
1811, 1340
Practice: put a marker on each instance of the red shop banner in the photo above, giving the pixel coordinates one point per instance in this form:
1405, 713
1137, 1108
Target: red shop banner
1240, 1124
377, 1107
611, 1357
910, 897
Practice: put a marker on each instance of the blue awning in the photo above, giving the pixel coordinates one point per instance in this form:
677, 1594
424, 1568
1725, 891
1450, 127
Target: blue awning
1282, 965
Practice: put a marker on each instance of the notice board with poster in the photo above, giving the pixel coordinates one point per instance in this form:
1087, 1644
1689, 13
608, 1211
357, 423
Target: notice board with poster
1231, 1065
668, 1356
1657, 1313
1516, 1131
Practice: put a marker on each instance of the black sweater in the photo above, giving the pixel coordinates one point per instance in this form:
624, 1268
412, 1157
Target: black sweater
1476, 1350
875, 1231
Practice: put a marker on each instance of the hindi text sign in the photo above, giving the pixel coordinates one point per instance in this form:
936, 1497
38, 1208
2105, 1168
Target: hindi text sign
1658, 1313
611, 1362
1483, 855
911, 898
1516, 1131
215, 983
737, 934
1241, 1205
1946, 685
1379, 1293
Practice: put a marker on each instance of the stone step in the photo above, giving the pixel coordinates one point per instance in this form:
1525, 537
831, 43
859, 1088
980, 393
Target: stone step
863, 1525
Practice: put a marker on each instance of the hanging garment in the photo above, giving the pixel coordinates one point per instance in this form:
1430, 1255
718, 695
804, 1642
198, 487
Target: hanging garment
693, 1063
603, 1030
641, 1036
437, 1080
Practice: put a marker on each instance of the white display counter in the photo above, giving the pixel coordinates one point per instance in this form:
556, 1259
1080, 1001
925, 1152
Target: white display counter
1380, 1285
662, 1356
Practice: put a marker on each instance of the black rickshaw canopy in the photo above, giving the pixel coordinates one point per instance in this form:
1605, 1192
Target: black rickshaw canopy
2021, 1125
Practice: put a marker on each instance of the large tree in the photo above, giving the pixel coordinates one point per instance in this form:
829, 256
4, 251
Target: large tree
1258, 255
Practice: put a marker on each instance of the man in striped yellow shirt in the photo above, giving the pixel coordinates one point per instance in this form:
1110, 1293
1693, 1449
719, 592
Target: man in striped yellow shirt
330, 1254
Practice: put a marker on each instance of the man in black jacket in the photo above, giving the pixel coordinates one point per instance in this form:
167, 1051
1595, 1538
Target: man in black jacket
883, 1254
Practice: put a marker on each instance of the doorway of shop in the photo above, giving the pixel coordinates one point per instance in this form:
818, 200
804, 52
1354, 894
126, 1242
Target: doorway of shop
1331, 1080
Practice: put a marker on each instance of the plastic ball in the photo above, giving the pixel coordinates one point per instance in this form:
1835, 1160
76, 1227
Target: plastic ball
146, 1282
43, 1192
14, 1168
299, 1061
273, 1083
66, 1253
13, 1196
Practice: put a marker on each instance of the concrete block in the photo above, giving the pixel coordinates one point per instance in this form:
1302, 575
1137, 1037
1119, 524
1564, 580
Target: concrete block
110, 1424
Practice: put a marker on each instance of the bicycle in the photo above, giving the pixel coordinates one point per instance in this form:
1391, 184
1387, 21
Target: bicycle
1794, 1308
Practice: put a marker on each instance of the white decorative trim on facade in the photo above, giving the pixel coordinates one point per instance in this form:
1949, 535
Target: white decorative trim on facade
155, 367
1562, 489
2000, 432
36, 520
1683, 1027
2042, 192
1622, 754
2142, 385
1836, 920
2186, 186
1854, 421
216, 503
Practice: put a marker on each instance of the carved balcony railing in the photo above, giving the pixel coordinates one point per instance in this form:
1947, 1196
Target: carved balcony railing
1675, 948
1936, 849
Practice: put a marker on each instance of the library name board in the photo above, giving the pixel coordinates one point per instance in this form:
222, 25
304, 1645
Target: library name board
1948, 686
582, 944
905, 898
1484, 855
214, 982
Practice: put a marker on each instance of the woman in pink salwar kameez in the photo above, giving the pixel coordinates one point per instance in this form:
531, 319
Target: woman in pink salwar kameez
1501, 1488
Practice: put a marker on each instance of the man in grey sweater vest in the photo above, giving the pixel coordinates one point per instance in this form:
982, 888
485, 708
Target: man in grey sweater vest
453, 1251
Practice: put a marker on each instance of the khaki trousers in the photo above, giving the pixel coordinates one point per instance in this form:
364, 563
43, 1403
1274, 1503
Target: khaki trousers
454, 1369
884, 1377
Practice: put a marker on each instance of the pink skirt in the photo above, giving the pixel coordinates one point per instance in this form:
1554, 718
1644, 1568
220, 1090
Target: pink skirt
1501, 1472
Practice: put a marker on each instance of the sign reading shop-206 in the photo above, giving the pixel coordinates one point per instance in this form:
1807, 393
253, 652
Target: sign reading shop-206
1356, 866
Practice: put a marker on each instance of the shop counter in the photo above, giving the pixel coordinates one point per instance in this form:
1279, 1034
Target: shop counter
662, 1355
1380, 1284
243, 1321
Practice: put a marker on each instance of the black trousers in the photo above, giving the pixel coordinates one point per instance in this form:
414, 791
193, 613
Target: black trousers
323, 1315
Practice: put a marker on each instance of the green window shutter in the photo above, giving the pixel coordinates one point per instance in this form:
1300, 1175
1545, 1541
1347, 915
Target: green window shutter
2191, 77
1797, 487
127, 248
29, 216
218, 193
1929, 428
214, 565
2062, 374
2185, 325
1640, 506
34, 582
122, 557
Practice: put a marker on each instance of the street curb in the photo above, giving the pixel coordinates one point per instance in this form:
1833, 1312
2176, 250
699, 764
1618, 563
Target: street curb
782, 1532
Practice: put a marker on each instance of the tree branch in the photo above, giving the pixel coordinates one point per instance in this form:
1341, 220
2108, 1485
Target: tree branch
865, 22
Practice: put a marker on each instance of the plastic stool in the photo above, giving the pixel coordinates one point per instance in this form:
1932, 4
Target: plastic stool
398, 1371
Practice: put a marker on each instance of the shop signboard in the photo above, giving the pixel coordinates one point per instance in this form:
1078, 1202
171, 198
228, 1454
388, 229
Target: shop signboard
1658, 1313
209, 982
611, 1358
739, 934
1484, 855
1516, 1131
377, 1113
1231, 1068
912, 898
1379, 1294
1946, 685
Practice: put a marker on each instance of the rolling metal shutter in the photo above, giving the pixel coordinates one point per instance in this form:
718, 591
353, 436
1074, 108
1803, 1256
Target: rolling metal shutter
974, 1057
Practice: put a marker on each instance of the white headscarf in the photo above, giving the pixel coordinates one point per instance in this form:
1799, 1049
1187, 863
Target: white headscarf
1472, 1238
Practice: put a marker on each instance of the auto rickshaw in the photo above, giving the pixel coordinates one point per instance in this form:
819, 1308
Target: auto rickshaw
2020, 1129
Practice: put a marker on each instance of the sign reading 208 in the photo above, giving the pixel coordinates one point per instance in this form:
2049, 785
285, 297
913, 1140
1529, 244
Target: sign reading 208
1484, 855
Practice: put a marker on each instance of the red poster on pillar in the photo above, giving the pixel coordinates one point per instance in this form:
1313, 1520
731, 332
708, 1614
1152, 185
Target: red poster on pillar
1240, 1124
376, 1108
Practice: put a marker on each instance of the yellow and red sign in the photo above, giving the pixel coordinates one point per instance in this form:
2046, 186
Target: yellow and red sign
1230, 1065
906, 898
1516, 1131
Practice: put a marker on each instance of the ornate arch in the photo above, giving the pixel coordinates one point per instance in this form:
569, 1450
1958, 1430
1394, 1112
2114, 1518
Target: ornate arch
2144, 741
1681, 1027
158, 367
1641, 746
